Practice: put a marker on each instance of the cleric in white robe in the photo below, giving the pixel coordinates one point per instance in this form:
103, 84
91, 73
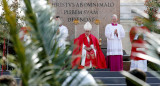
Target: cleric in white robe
114, 32
62, 33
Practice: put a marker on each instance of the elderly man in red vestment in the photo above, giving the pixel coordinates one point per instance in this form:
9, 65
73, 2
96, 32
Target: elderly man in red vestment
86, 52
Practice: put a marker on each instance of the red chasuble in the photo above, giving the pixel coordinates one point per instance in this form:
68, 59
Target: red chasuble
140, 41
98, 60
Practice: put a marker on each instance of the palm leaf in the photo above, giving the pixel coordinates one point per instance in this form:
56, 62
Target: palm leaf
39, 59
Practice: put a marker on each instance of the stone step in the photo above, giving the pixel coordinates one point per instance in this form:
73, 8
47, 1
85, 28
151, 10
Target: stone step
116, 83
112, 85
121, 80
110, 78
98, 69
111, 74
151, 84
108, 84
94, 69
117, 79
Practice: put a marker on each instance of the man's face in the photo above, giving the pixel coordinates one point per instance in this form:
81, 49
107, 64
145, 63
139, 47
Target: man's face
87, 32
58, 20
114, 19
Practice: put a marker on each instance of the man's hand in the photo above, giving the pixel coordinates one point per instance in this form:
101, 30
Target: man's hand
88, 49
115, 32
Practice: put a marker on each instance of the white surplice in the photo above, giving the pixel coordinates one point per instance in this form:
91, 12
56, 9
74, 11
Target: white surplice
139, 64
63, 33
114, 44
83, 57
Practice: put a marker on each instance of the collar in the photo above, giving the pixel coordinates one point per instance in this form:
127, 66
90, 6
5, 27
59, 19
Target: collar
114, 24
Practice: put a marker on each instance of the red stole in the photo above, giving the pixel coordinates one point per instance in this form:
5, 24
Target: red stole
90, 55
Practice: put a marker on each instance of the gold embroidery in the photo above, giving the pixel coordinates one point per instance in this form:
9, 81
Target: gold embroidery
92, 54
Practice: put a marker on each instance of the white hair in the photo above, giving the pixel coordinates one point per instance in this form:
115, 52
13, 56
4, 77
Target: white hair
114, 15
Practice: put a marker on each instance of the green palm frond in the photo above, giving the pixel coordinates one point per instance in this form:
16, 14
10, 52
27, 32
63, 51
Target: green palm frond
39, 61
153, 46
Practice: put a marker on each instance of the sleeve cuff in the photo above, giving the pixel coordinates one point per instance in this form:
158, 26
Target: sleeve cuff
84, 46
92, 46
